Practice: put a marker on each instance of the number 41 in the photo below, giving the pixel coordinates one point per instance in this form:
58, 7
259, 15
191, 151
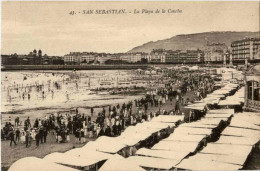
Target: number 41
72, 13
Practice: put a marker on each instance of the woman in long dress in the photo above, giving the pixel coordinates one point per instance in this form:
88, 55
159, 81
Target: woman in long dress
33, 134
23, 138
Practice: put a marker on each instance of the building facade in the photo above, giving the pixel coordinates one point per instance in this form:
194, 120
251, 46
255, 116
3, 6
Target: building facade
157, 56
252, 89
246, 49
189, 56
74, 58
215, 52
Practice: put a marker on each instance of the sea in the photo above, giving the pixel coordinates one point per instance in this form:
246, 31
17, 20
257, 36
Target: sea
37, 94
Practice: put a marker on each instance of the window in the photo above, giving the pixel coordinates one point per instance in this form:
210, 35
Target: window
253, 92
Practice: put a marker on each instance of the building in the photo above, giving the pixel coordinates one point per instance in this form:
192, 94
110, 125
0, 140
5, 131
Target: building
52, 60
33, 58
252, 89
248, 48
215, 52
88, 58
189, 56
125, 57
136, 57
4, 59
157, 56
74, 58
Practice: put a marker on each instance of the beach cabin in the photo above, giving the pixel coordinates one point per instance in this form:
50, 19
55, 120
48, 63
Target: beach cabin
252, 89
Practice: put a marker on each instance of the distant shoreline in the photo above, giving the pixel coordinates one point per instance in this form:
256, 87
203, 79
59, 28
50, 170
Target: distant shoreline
71, 67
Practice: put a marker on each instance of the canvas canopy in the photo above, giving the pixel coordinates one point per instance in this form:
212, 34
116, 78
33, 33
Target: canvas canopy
152, 162
211, 121
176, 146
175, 155
197, 124
229, 102
237, 122
62, 158
109, 144
194, 164
91, 145
221, 111
185, 137
215, 95
221, 158
168, 118
89, 154
194, 131
251, 117
237, 140
117, 162
196, 106
227, 149
241, 132
34, 163
218, 115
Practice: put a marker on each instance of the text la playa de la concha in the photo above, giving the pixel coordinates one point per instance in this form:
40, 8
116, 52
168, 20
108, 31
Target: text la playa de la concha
124, 11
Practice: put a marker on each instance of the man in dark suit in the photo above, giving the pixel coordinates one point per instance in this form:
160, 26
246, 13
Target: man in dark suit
11, 135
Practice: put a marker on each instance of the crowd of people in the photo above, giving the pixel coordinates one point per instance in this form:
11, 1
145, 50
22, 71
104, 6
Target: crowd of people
111, 121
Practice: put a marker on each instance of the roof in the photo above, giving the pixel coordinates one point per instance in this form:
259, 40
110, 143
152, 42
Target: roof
89, 154
66, 159
174, 155
194, 164
180, 146
237, 140
117, 162
254, 70
152, 162
227, 149
233, 131
221, 158
34, 163
184, 137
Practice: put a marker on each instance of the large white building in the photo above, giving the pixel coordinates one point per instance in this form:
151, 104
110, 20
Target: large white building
72, 59
246, 49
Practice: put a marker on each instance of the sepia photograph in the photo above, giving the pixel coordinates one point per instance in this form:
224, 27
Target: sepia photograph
130, 85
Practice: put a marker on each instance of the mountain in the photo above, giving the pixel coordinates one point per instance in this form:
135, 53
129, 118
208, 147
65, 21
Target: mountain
194, 41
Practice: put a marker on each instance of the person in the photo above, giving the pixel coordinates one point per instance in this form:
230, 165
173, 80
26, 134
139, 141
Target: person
30, 139
11, 135
82, 136
37, 137
17, 132
27, 137
23, 138
41, 134
177, 107
45, 133
77, 135
108, 131
28, 123
17, 121
101, 132
92, 111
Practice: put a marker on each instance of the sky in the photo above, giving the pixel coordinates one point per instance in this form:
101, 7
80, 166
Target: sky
49, 26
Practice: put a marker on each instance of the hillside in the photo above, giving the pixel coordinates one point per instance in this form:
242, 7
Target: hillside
194, 41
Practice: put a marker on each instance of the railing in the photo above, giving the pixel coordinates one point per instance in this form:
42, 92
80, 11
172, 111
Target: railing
252, 104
